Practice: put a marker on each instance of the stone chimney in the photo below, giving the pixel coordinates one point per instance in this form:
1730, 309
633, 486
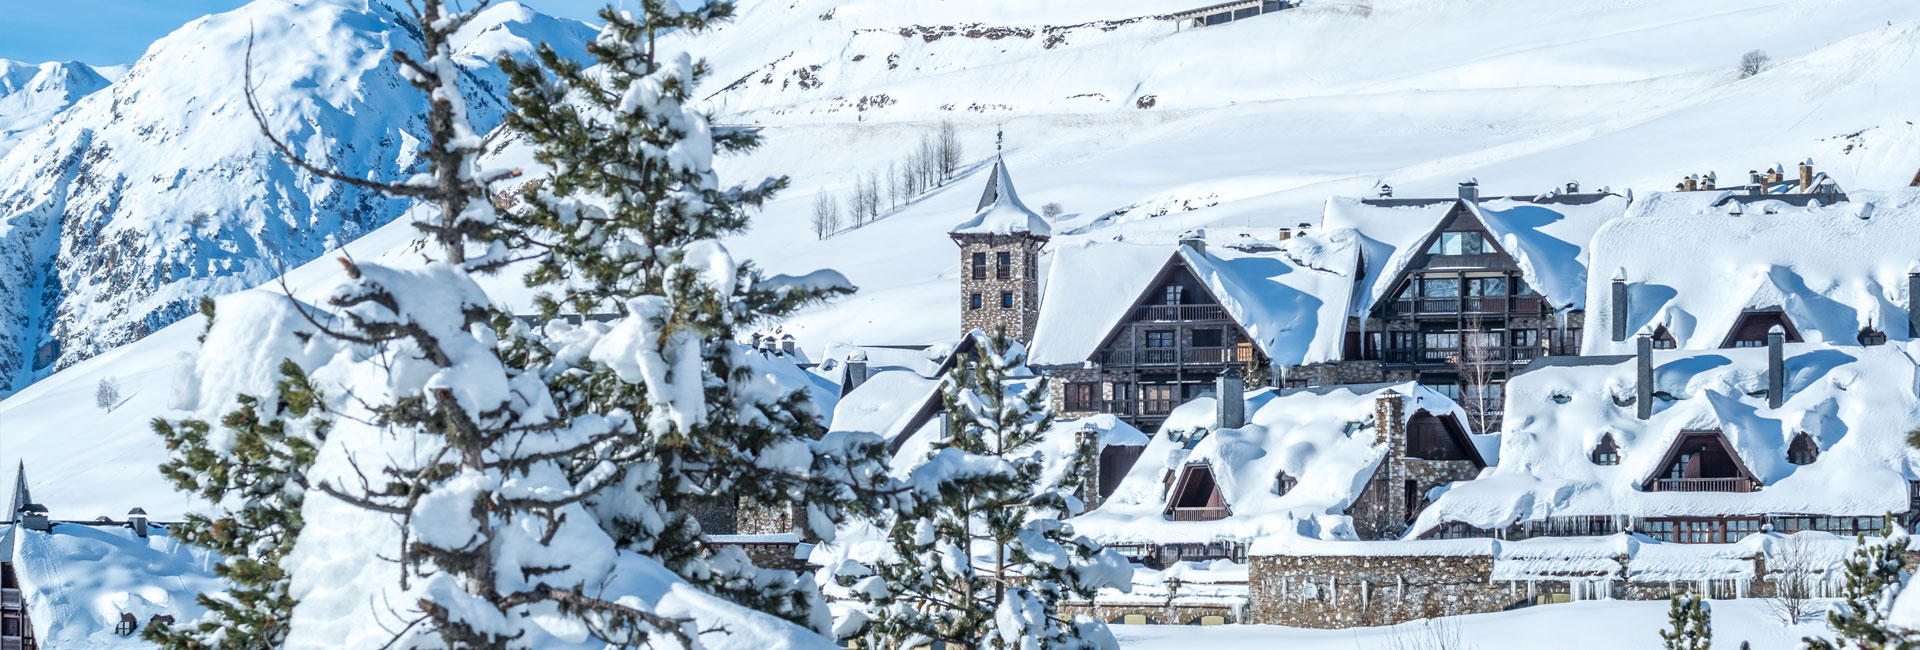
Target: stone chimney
1619, 314
1754, 177
137, 520
1230, 399
856, 370
1573, 187
1806, 175
1690, 183
1643, 377
1285, 233
1913, 300
1776, 367
787, 344
1775, 174
1386, 191
1470, 191
1089, 436
1708, 181
1195, 239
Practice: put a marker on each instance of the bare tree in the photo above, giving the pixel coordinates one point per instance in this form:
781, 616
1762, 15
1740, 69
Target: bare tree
1753, 63
909, 177
1051, 210
947, 151
826, 215
873, 196
106, 395
893, 187
929, 162
1479, 393
1793, 570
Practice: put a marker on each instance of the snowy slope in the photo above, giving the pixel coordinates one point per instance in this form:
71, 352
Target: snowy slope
119, 214
1255, 124
31, 94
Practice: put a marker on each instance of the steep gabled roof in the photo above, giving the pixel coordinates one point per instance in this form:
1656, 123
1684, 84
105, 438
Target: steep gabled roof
1326, 438
1858, 403
1694, 267
1293, 313
1000, 211
21, 497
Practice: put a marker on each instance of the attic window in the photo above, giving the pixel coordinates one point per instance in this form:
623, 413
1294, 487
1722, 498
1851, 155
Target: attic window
1282, 484
1870, 336
1663, 339
126, 625
1561, 398
1803, 450
1607, 452
1457, 243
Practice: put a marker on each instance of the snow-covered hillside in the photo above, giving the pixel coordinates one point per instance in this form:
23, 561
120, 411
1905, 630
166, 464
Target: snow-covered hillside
121, 212
31, 94
1253, 124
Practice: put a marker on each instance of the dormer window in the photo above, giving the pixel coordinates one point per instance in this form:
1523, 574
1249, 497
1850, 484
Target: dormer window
1803, 450
1871, 336
1663, 339
1607, 452
1282, 484
1458, 243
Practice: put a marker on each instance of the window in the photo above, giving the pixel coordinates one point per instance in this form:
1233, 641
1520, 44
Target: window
1606, 453
1156, 398
1207, 338
1457, 243
1159, 338
1283, 484
1870, 336
973, 301
1750, 344
1521, 288
1803, 450
979, 266
1437, 346
1487, 286
1663, 339
1174, 293
1003, 265
126, 625
1440, 287
1006, 300
1083, 396
1429, 439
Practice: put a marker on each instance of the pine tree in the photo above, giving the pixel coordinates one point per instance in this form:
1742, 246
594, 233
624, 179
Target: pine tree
1873, 575
1692, 627
983, 558
259, 461
630, 226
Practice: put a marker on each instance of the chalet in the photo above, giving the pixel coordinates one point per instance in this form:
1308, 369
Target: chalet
1137, 329
1808, 187
1455, 293
1696, 273
1338, 462
1227, 12
1700, 446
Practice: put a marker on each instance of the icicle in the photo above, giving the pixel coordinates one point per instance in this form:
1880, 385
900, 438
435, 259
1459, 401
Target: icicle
1366, 593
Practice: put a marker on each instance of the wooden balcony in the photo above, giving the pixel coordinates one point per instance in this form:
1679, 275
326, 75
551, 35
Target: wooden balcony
1200, 514
10, 599
1125, 407
1173, 313
1186, 356
1450, 306
1702, 485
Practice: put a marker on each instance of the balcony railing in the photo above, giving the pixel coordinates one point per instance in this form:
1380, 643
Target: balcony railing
1468, 305
1199, 514
1702, 485
1175, 356
9, 599
1178, 312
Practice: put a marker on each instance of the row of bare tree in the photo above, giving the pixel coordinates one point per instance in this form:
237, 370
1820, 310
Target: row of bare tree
934, 162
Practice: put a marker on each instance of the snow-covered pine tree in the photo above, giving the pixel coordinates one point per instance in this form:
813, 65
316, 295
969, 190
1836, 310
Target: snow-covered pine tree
253, 469
465, 454
1873, 581
1691, 625
982, 557
629, 224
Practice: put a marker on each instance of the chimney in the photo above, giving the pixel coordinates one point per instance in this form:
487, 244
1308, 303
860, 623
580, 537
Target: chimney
1806, 175
1643, 377
1285, 233
1470, 191
1775, 174
1386, 191
1230, 399
786, 344
856, 370
1913, 301
1707, 182
1619, 314
137, 519
1573, 187
34, 517
1776, 367
1757, 189
1691, 183
1089, 437
1755, 177
1195, 239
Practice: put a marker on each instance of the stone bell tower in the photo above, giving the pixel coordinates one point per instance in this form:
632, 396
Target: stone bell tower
999, 261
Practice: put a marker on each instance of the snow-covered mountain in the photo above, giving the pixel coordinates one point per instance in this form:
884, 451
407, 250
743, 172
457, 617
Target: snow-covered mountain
30, 94
122, 211
1253, 124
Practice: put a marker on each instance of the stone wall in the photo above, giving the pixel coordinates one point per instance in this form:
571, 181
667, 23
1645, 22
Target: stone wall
1023, 282
1157, 614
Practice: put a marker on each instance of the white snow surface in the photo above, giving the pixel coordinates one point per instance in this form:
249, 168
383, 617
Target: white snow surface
79, 579
1858, 404
30, 94
1692, 267
1327, 439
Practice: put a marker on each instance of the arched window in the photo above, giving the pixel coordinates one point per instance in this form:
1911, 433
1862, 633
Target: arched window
1607, 452
1803, 450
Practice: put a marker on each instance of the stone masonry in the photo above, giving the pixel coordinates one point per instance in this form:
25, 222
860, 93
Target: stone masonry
1021, 286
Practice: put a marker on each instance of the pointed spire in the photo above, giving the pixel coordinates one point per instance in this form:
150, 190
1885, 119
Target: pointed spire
20, 495
1000, 211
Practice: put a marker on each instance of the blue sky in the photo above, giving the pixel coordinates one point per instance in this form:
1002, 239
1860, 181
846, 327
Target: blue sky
113, 32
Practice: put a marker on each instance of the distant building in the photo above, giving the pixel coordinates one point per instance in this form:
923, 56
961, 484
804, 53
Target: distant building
1000, 260
1227, 12
1807, 187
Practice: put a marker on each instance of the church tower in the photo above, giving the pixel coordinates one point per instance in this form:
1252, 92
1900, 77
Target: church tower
1000, 261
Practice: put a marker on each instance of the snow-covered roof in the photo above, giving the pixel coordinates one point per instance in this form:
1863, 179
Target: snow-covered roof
1547, 236
1857, 404
1693, 263
78, 579
1000, 211
1325, 438
1292, 312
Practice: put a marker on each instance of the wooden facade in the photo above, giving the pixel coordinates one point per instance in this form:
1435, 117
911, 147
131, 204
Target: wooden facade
16, 630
